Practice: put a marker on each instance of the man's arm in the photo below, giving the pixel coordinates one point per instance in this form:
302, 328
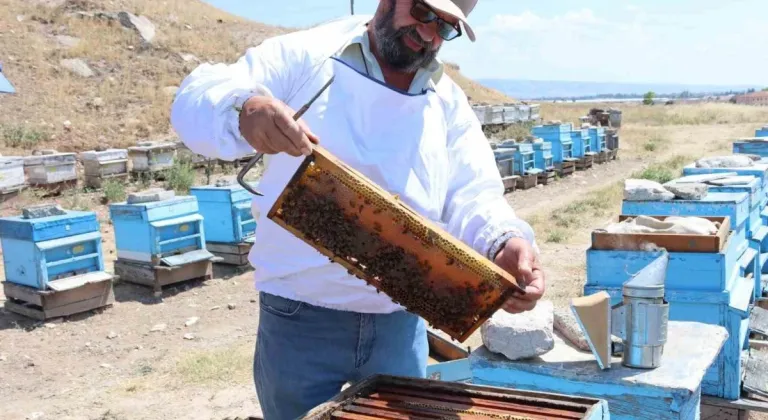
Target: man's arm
206, 110
475, 210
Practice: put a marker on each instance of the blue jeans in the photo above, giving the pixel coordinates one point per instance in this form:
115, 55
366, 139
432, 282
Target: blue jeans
305, 354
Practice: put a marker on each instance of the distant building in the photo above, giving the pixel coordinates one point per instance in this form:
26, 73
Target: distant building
754, 98
5, 85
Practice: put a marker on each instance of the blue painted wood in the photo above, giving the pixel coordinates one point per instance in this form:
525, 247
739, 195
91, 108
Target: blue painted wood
728, 309
542, 153
758, 170
672, 391
520, 156
560, 137
39, 251
450, 371
226, 213
733, 205
597, 139
762, 132
581, 143
756, 201
148, 231
692, 271
747, 147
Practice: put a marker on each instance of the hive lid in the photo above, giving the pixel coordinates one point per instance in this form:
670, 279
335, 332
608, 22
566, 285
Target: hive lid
108, 154
53, 158
150, 196
11, 161
42, 210
41, 224
146, 146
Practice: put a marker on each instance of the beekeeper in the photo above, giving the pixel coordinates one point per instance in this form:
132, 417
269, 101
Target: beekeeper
394, 115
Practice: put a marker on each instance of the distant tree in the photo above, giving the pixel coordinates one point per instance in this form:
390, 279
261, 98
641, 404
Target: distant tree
765, 90
751, 90
648, 98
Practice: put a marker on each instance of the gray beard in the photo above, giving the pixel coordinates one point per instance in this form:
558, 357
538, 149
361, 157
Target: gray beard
393, 49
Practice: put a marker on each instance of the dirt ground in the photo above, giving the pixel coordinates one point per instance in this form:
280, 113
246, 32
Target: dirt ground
132, 360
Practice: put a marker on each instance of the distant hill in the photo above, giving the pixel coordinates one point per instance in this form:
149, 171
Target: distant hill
540, 89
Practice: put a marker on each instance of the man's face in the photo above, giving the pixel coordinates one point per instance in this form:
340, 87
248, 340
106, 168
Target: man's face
403, 42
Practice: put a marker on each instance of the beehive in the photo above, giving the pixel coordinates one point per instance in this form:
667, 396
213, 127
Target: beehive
392, 397
543, 156
379, 239
101, 165
560, 137
762, 132
50, 167
184, 154
151, 156
226, 210
597, 139
47, 243
11, 173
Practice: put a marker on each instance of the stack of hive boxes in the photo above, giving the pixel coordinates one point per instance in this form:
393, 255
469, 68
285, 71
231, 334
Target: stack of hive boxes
559, 135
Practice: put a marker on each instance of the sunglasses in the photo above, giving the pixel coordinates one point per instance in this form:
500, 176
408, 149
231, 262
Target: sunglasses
425, 14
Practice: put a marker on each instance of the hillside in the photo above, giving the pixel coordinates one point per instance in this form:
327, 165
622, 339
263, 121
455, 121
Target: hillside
84, 79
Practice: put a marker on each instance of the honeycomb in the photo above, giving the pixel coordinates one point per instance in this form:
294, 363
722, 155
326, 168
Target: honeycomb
381, 240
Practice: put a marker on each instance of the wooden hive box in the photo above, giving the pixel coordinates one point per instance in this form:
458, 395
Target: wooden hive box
379, 239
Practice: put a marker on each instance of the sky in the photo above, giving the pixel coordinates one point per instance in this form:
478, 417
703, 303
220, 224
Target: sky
628, 41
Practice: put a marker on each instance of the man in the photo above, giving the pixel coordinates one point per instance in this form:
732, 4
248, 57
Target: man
392, 114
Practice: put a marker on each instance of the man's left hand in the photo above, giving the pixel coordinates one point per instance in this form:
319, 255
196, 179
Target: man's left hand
519, 259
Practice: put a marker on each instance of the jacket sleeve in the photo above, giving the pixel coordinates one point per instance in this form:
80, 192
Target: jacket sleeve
205, 112
476, 211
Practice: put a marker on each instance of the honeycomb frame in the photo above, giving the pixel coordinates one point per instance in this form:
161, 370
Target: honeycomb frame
390, 246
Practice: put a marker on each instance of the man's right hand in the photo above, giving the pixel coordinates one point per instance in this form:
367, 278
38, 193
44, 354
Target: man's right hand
268, 126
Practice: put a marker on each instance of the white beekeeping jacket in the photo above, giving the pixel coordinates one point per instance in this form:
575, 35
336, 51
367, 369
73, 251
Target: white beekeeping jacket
428, 148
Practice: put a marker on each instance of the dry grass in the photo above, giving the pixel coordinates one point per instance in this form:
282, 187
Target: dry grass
126, 100
229, 365
476, 92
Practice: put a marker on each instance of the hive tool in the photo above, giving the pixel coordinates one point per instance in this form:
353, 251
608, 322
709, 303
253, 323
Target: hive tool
640, 320
258, 156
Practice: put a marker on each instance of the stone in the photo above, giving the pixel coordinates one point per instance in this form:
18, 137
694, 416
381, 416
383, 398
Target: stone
520, 336
226, 181
215, 308
189, 58
150, 195
189, 336
158, 327
97, 102
231, 306
42, 210
645, 190
687, 191
191, 321
3, 357
50, 325
77, 66
106, 366
112, 335
36, 415
731, 161
140, 24
733, 180
703, 177
67, 41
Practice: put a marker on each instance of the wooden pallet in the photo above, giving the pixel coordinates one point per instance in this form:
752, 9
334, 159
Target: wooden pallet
98, 181
75, 294
525, 182
601, 157
230, 254
612, 154
54, 188
717, 408
546, 177
10, 193
510, 183
155, 175
585, 163
565, 168
159, 276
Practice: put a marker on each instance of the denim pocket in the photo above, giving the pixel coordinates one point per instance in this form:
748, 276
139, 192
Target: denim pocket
279, 306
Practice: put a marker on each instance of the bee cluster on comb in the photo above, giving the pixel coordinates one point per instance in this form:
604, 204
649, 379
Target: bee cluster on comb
380, 240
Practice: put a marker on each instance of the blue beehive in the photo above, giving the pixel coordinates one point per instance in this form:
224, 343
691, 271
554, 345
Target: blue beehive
543, 156
762, 132
524, 163
751, 146
597, 139
758, 170
226, 211
505, 156
153, 231
560, 137
581, 143
47, 244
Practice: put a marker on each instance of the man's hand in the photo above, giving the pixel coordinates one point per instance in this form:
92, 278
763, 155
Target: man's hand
519, 259
267, 124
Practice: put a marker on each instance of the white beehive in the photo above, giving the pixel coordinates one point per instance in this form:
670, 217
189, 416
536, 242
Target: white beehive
11, 173
152, 156
50, 167
104, 164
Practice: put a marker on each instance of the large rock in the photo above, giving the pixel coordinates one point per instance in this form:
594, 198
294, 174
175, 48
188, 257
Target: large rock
150, 196
42, 210
645, 190
140, 24
77, 66
687, 191
520, 336
731, 161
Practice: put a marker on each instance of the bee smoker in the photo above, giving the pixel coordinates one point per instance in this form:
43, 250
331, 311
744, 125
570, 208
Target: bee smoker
640, 320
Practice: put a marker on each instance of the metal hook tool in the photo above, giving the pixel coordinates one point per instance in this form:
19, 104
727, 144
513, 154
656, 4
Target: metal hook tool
255, 159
